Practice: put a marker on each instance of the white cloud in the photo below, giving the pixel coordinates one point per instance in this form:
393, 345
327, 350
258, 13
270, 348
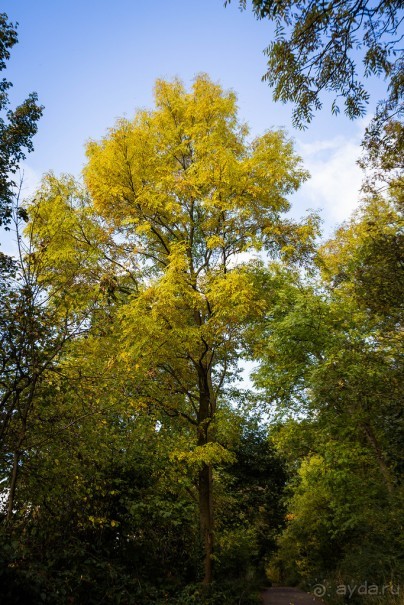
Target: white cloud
336, 179
335, 176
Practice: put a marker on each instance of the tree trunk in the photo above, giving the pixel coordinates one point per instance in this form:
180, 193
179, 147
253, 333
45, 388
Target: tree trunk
206, 520
13, 484
384, 470
205, 482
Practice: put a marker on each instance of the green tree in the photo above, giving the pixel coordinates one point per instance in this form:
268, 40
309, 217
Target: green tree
35, 327
316, 50
17, 127
331, 354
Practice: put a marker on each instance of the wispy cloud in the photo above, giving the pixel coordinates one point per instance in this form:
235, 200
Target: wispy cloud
335, 179
334, 186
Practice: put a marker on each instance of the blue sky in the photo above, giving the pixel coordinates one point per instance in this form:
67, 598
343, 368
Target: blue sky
92, 61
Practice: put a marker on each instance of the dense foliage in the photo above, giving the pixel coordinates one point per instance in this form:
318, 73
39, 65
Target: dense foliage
332, 352
317, 46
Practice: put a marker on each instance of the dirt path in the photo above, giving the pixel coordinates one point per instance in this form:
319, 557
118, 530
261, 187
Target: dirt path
282, 595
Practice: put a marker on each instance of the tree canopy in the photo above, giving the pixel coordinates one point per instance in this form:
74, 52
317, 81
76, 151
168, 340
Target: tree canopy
332, 47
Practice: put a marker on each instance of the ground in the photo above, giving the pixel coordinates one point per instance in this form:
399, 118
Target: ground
280, 595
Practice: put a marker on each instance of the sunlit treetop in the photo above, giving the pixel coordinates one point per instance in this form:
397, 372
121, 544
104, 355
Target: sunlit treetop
186, 173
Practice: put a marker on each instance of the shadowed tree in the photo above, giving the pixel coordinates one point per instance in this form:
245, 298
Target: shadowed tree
17, 127
318, 48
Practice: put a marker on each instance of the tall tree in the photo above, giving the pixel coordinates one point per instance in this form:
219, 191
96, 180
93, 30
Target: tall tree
35, 327
187, 196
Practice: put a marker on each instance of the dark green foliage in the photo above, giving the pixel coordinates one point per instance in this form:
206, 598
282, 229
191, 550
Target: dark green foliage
111, 520
230, 592
32, 336
317, 46
17, 127
342, 521
254, 512
104, 526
